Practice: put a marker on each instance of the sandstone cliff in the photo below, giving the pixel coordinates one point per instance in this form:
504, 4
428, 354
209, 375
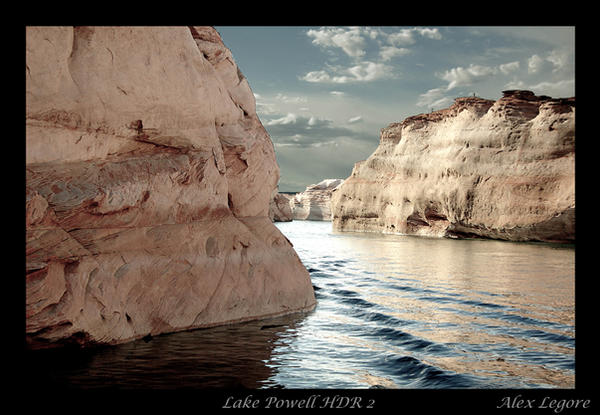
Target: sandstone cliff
314, 203
497, 169
148, 180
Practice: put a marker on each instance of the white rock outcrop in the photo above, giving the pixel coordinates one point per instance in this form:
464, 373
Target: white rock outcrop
314, 203
497, 169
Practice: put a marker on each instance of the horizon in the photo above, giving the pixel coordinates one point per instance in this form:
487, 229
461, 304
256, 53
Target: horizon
324, 93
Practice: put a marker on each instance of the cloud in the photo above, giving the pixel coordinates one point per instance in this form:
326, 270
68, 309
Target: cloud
355, 119
365, 71
302, 131
515, 84
434, 98
317, 76
389, 52
337, 93
430, 33
534, 64
290, 118
460, 76
357, 42
507, 68
405, 37
559, 60
328, 161
286, 99
564, 88
265, 108
350, 40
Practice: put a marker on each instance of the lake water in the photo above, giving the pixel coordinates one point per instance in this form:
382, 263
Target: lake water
393, 312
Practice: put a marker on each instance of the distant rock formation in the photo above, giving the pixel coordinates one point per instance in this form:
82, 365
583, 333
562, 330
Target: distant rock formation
280, 209
148, 181
314, 203
496, 169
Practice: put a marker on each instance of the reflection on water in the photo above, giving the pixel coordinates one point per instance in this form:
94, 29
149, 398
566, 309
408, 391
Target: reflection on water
393, 312
222, 357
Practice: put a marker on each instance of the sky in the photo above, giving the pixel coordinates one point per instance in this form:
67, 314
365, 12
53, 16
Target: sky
324, 93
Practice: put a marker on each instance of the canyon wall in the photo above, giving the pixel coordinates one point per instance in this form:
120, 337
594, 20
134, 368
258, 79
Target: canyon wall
148, 183
314, 203
500, 169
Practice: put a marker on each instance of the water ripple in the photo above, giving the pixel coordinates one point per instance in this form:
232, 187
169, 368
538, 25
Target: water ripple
392, 311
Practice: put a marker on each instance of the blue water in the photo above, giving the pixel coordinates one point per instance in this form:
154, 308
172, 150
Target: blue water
393, 312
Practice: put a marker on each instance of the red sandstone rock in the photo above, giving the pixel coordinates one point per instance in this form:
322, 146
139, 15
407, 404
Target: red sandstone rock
279, 208
503, 169
148, 182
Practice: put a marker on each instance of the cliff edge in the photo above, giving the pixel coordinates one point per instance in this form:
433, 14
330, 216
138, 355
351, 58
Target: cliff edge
148, 181
500, 169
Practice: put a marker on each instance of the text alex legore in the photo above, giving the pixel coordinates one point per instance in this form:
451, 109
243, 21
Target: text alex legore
312, 402
557, 405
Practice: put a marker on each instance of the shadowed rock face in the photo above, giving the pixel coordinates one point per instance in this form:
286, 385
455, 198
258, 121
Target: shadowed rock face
496, 169
148, 182
279, 207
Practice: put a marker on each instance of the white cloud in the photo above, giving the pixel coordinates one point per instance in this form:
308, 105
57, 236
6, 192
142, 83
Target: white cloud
534, 64
337, 93
388, 52
317, 76
264, 108
361, 72
350, 40
369, 71
430, 33
405, 37
515, 84
507, 68
305, 131
564, 88
460, 76
290, 118
294, 100
313, 121
559, 60
353, 120
434, 98
355, 42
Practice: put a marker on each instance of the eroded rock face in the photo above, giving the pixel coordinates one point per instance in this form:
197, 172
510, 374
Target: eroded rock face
280, 209
148, 182
314, 203
497, 169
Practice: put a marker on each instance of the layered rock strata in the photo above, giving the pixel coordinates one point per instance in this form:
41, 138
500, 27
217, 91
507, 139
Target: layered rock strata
500, 169
314, 203
148, 181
